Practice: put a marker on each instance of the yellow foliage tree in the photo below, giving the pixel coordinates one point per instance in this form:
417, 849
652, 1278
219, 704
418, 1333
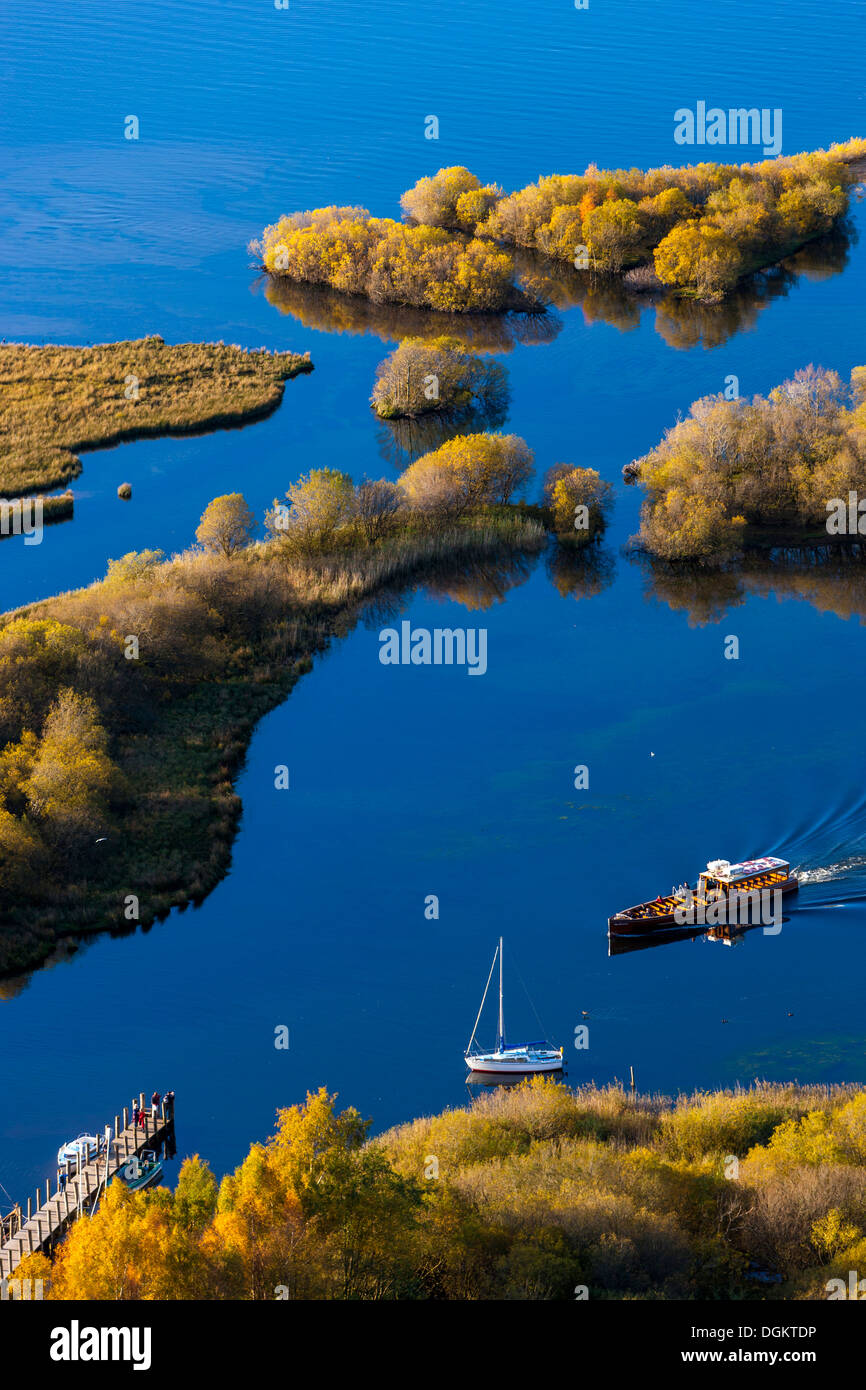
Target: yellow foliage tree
227, 524
71, 774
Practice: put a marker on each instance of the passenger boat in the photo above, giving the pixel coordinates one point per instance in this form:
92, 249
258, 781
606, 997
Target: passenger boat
526, 1059
87, 1145
725, 892
140, 1171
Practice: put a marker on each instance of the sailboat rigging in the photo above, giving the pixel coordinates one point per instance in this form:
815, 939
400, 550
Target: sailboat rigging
528, 1058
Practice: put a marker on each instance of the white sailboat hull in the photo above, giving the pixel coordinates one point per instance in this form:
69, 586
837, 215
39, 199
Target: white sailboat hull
515, 1062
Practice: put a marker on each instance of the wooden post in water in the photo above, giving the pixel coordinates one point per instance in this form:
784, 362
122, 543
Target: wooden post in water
29, 1208
125, 1117
631, 1074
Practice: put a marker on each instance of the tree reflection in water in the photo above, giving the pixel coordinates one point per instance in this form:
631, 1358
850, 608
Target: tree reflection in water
684, 323
832, 578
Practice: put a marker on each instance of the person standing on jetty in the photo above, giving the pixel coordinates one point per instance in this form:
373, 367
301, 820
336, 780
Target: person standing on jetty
154, 1105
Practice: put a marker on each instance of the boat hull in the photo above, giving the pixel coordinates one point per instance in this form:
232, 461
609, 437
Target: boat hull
493, 1066
147, 1180
628, 924
139, 1173
87, 1145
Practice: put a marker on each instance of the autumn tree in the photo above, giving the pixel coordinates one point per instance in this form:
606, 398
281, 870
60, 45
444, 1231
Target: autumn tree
579, 501
136, 567
378, 503
699, 257
195, 1196
72, 775
255, 1241
37, 657
614, 234
226, 525
320, 503
683, 526
473, 207
22, 856
434, 200
470, 471
422, 376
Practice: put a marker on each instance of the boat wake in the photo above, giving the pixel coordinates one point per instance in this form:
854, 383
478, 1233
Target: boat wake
833, 873
829, 857
838, 885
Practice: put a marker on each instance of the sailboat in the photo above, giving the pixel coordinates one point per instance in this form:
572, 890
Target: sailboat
531, 1057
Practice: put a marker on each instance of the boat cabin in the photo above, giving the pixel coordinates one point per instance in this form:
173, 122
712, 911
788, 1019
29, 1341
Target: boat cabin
753, 875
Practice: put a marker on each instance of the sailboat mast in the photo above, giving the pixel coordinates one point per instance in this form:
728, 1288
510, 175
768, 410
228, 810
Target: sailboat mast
501, 1043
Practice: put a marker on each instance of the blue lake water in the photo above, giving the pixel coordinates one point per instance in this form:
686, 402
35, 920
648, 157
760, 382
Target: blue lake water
407, 782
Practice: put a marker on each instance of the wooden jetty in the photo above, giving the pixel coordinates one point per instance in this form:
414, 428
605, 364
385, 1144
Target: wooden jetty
80, 1186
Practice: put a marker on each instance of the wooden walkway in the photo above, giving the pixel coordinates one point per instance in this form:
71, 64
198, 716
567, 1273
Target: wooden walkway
74, 1197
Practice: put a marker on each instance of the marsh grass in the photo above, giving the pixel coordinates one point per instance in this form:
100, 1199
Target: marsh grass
57, 402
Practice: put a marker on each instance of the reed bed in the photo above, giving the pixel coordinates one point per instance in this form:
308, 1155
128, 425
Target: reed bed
57, 402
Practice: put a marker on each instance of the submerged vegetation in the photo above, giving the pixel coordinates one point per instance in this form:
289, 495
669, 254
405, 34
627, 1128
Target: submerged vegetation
697, 230
56, 402
739, 469
533, 1193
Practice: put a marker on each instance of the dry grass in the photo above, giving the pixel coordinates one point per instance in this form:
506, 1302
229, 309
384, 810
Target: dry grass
56, 402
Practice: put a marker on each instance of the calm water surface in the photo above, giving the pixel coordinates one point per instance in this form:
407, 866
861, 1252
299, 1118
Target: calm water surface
407, 782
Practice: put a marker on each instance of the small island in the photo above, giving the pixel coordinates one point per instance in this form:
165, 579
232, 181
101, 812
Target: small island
57, 402
697, 231
762, 472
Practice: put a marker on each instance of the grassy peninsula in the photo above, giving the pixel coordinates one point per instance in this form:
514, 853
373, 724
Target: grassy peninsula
126, 707
533, 1193
765, 471
696, 230
56, 402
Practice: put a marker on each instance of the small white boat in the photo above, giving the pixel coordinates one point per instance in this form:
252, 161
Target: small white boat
526, 1059
86, 1144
